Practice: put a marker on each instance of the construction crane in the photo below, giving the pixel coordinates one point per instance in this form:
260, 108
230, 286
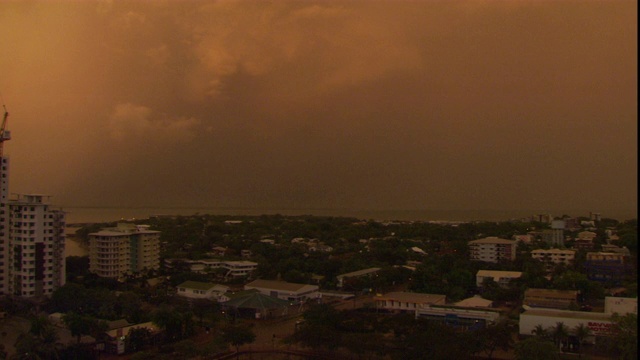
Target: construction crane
4, 133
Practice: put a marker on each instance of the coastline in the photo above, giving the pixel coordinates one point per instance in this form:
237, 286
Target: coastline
79, 215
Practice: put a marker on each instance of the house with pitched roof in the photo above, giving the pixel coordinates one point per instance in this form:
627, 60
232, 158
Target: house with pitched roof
202, 290
292, 292
501, 277
356, 274
407, 301
252, 303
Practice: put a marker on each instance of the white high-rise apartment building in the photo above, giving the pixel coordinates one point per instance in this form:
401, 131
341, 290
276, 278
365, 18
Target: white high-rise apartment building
32, 238
35, 247
124, 250
4, 225
4, 211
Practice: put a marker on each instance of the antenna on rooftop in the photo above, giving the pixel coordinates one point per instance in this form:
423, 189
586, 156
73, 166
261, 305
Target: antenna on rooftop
4, 133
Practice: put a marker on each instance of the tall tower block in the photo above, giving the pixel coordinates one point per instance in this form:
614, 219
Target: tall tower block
4, 210
32, 238
4, 225
36, 251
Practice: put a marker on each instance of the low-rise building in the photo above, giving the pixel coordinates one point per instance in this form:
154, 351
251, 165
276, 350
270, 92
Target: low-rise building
254, 304
202, 290
417, 250
231, 269
599, 323
586, 235
552, 257
553, 237
407, 301
502, 278
571, 224
492, 249
525, 239
620, 305
605, 267
475, 301
299, 240
543, 218
459, 317
589, 224
239, 268
616, 249
320, 248
583, 244
356, 274
550, 298
292, 292
219, 251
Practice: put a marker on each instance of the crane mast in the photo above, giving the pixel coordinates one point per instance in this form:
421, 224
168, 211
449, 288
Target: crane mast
4, 133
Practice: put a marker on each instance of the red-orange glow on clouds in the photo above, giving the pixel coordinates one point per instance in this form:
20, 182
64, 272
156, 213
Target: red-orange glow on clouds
335, 104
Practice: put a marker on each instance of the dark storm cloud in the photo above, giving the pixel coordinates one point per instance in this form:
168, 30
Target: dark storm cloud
466, 104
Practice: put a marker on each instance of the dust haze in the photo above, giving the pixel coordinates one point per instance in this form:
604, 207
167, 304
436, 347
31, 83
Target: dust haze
327, 104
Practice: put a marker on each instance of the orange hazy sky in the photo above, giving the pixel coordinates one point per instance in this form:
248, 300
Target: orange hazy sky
323, 104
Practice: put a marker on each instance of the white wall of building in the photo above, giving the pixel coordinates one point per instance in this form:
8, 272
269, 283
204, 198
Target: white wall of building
35, 242
620, 305
599, 323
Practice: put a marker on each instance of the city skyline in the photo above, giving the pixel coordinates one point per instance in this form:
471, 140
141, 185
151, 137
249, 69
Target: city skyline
380, 105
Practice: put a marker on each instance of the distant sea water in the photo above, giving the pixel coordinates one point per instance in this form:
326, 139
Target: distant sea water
77, 215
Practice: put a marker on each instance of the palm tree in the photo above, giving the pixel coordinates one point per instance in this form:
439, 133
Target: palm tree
581, 331
540, 331
41, 342
559, 333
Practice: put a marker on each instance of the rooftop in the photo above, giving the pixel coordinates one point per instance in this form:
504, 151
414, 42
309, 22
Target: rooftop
492, 240
196, 285
475, 301
277, 285
553, 251
413, 297
499, 273
567, 314
569, 294
359, 272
